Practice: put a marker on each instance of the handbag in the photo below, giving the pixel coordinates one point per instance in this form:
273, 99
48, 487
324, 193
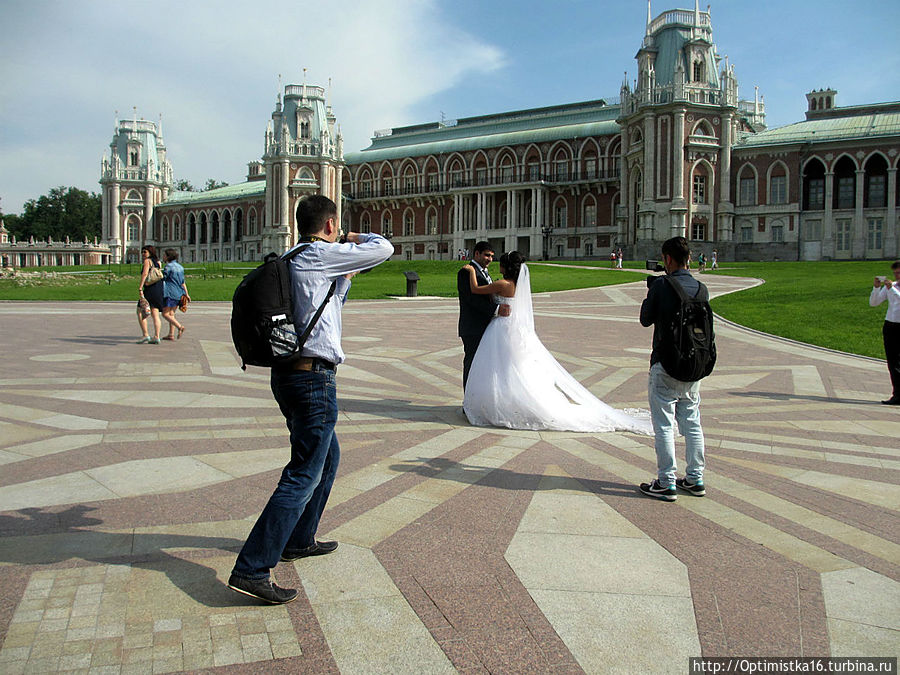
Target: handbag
143, 308
183, 303
153, 276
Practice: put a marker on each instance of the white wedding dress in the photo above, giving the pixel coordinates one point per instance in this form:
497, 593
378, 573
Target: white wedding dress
515, 382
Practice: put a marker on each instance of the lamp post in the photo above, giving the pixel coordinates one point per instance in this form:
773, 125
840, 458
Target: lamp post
546, 230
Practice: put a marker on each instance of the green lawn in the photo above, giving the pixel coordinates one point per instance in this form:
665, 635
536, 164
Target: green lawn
218, 282
822, 303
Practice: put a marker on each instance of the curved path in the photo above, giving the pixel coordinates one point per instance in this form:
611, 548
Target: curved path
130, 474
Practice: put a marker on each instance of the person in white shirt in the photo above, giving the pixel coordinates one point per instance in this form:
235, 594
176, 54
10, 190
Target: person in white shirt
887, 289
307, 396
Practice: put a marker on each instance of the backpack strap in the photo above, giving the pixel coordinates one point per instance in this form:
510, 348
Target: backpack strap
679, 289
287, 257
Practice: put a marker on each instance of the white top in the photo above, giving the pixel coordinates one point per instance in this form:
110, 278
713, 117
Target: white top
892, 295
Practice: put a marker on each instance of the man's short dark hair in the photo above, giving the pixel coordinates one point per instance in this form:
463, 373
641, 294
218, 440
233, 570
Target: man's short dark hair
312, 214
677, 248
483, 246
896, 265
171, 254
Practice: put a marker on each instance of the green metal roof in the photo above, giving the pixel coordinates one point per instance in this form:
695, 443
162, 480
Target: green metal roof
826, 130
577, 120
253, 188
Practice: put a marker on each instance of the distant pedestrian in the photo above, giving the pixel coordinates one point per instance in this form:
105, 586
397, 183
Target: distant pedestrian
619, 259
715, 260
701, 263
151, 288
673, 400
887, 289
612, 258
173, 288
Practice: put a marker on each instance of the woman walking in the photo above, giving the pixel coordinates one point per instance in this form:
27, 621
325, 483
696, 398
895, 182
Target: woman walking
173, 288
151, 288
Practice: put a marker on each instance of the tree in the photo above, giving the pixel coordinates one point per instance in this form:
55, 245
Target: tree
212, 184
184, 185
64, 211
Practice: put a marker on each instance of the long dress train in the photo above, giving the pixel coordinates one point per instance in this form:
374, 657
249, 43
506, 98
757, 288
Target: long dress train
515, 382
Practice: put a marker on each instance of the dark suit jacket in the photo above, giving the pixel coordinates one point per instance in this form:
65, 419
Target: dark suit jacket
475, 311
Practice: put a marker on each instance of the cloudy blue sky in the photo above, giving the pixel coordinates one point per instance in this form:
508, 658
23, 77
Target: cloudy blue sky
211, 68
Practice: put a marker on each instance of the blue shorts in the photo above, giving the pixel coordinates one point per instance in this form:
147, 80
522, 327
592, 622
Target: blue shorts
169, 302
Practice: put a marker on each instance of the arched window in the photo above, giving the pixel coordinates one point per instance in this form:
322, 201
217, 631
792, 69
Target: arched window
507, 169
176, 229
133, 196
699, 71
365, 225
251, 223
778, 184
455, 174
845, 184
238, 225
747, 186
215, 228
561, 166
409, 223
560, 214
431, 221
387, 225
589, 215
226, 227
202, 228
365, 183
134, 228
700, 186
812, 104
814, 186
875, 195
165, 229
590, 166
409, 180
387, 181
192, 230
501, 216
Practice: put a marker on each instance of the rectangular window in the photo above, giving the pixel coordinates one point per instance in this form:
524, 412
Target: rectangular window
590, 168
778, 233
746, 235
534, 171
481, 176
432, 182
846, 189
562, 170
408, 226
588, 250
699, 189
432, 223
778, 190
507, 173
842, 234
876, 195
456, 179
875, 234
365, 228
698, 231
388, 186
409, 184
590, 215
366, 188
816, 194
748, 191
813, 230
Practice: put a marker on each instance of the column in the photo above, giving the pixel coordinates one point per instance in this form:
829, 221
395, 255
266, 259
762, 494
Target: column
149, 234
284, 239
104, 214
725, 160
624, 194
510, 209
115, 238
828, 245
338, 190
891, 236
859, 243
649, 164
678, 155
479, 212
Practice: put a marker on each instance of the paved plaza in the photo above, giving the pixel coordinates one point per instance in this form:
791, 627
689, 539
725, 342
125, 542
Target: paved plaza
131, 474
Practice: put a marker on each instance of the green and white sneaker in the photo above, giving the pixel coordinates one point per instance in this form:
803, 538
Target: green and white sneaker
654, 489
697, 489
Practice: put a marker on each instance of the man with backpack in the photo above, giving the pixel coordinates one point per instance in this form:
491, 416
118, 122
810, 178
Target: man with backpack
305, 391
677, 306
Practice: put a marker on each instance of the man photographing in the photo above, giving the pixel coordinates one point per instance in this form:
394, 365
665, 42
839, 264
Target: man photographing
307, 395
677, 306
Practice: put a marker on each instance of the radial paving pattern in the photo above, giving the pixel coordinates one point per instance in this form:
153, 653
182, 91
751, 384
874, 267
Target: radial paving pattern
130, 475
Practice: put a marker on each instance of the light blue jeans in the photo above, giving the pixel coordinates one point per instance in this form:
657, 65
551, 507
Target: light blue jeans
674, 401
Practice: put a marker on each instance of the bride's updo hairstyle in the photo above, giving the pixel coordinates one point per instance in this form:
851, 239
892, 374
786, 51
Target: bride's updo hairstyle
511, 262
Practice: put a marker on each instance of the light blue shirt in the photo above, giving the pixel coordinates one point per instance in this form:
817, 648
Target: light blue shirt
312, 272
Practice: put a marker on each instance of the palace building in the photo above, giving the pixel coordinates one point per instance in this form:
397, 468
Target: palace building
678, 152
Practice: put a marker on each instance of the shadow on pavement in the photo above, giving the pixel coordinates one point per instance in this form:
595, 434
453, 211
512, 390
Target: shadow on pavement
779, 396
69, 542
100, 339
504, 479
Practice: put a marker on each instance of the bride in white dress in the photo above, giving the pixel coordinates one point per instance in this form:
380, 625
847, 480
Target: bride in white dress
515, 382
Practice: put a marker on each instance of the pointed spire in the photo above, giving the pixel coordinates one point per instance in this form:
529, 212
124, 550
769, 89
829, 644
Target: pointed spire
649, 16
304, 83
116, 123
697, 13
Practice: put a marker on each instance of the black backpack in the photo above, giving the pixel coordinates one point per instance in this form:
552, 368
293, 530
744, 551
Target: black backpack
262, 314
688, 344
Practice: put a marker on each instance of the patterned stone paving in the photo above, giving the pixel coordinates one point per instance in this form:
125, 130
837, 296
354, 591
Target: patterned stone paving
130, 475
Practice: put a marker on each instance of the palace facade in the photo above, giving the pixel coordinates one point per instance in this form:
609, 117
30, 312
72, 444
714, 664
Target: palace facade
676, 153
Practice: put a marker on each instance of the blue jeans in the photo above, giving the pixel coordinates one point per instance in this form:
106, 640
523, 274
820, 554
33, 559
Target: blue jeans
308, 401
674, 401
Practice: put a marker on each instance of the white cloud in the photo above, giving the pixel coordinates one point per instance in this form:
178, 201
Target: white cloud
211, 69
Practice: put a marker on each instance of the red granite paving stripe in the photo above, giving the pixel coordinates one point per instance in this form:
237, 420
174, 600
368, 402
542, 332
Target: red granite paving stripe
861, 515
13, 580
872, 473
309, 633
451, 569
751, 589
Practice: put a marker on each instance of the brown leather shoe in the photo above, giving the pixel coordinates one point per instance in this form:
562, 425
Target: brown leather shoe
319, 548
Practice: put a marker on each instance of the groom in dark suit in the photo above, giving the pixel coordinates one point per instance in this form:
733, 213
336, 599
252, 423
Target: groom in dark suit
475, 311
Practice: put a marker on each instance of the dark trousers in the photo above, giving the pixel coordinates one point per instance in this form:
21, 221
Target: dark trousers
308, 401
891, 334
470, 346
